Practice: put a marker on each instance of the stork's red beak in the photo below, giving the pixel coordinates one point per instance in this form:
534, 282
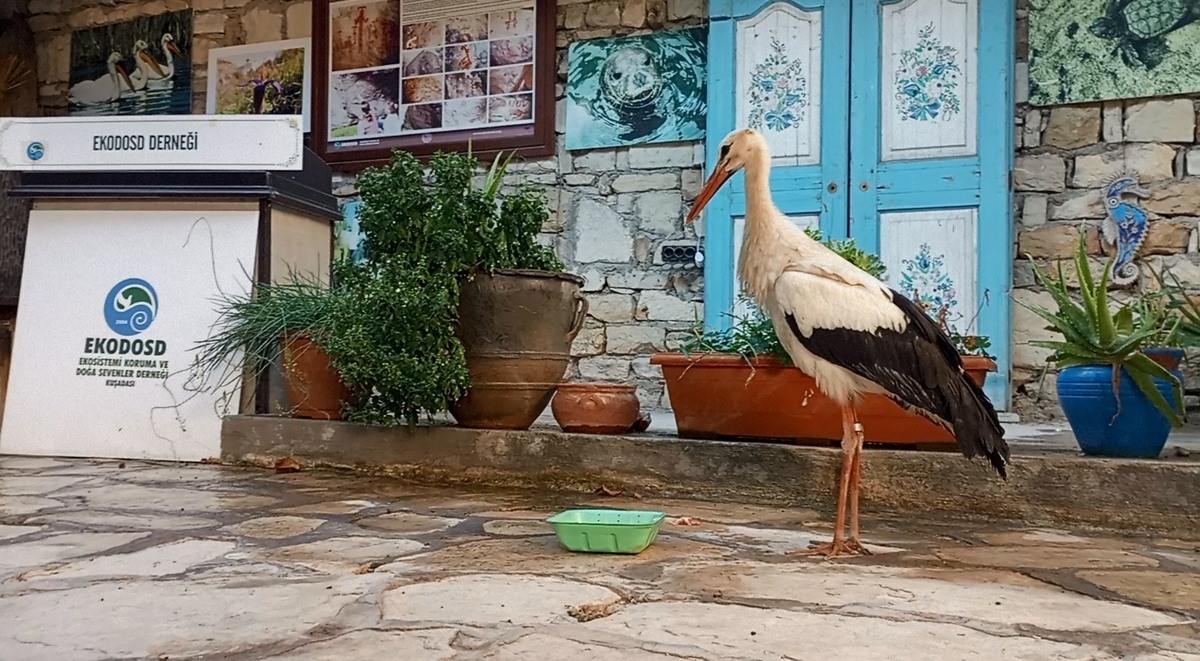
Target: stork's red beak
714, 182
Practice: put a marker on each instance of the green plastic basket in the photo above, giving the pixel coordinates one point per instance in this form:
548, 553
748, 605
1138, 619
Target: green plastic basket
606, 530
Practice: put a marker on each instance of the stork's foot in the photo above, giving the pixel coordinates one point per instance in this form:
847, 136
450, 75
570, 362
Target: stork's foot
831, 550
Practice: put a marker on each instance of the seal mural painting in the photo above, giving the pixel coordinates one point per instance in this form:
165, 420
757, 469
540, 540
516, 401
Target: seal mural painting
1092, 50
639, 89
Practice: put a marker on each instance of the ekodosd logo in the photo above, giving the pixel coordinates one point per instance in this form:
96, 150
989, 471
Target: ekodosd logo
130, 307
35, 151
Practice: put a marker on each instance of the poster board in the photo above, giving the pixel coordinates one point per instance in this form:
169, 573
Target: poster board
429, 75
112, 302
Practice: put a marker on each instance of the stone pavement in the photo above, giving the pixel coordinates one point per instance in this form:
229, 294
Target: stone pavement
107, 560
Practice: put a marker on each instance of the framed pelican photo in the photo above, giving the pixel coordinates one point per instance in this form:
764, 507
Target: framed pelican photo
142, 66
272, 78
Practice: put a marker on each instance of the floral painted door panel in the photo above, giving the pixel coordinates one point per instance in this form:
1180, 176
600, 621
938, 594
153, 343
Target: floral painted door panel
889, 121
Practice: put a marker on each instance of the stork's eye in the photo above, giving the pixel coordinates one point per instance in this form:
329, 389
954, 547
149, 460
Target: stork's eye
724, 151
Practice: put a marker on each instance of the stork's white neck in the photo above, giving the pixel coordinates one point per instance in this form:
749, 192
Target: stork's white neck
760, 207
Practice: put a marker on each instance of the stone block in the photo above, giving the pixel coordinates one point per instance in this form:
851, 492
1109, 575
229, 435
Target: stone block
691, 181
591, 341
604, 368
1071, 127
593, 280
1028, 326
611, 308
638, 280
579, 179
602, 161
299, 20
662, 156
659, 212
1078, 205
207, 5
1113, 116
262, 25
661, 306
1161, 120
1040, 172
635, 339
574, 16
1033, 210
634, 14
1021, 75
680, 9
1175, 198
1152, 162
635, 183
1193, 162
45, 6
209, 22
1184, 267
600, 234
604, 14
1168, 236
1054, 241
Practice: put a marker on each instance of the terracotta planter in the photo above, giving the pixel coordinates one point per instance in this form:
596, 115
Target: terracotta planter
596, 408
517, 328
717, 396
314, 388
977, 368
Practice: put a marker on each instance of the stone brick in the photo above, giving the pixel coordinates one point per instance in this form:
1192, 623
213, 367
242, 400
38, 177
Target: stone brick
634, 183
661, 306
1054, 241
1175, 198
1021, 83
662, 156
209, 22
605, 14
604, 369
1168, 236
691, 181
659, 212
591, 341
611, 308
1071, 127
574, 16
579, 179
1041, 172
45, 6
656, 13
638, 280
299, 20
1193, 161
1028, 326
625, 340
1113, 116
1161, 120
600, 234
642, 368
642, 249
634, 14
1183, 267
207, 5
681, 9
603, 161
1151, 162
1080, 204
593, 280
262, 25
1033, 210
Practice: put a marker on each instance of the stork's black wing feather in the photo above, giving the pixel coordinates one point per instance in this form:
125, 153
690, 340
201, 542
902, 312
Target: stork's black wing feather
921, 370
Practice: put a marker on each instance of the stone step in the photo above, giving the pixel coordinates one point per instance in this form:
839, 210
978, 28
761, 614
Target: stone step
1058, 489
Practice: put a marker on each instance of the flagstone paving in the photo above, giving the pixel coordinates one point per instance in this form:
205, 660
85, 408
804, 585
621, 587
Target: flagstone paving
126, 560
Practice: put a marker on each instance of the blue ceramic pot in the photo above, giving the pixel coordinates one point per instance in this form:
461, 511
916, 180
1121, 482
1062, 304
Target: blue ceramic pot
1140, 430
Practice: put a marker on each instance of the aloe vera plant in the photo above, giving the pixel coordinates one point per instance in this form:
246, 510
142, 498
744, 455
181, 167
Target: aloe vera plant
1096, 331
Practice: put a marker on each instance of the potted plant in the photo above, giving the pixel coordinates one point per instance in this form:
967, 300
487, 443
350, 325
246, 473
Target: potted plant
739, 383
1119, 400
456, 306
285, 324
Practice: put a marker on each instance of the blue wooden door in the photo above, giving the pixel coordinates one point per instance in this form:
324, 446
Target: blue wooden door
915, 137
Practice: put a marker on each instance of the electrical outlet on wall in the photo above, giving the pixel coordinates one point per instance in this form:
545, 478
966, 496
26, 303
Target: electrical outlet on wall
684, 254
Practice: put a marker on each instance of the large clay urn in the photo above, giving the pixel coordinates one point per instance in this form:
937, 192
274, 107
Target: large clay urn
517, 327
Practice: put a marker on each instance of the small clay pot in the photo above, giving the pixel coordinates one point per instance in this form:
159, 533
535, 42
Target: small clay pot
595, 408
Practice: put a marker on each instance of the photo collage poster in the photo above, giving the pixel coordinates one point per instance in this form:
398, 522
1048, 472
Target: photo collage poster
423, 66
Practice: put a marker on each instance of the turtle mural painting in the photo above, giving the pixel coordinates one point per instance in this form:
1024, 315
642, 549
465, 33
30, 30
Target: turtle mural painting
639, 89
1091, 50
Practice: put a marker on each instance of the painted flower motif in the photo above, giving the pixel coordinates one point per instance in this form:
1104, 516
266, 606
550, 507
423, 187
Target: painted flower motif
925, 281
927, 82
778, 90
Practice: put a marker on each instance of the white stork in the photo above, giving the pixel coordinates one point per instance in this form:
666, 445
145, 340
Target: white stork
852, 333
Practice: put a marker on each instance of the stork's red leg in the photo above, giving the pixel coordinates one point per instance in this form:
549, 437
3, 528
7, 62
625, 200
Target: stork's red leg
853, 542
850, 445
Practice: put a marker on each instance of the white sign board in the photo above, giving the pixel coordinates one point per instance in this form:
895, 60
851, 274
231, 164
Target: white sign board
186, 142
112, 303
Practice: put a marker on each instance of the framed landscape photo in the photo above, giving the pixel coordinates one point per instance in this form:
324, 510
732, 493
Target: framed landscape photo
273, 78
428, 76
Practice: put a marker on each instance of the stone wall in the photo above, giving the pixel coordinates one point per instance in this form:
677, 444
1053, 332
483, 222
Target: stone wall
1064, 155
614, 208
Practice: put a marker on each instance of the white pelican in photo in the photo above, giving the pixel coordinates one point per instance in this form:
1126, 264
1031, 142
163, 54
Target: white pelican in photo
147, 67
160, 76
104, 89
